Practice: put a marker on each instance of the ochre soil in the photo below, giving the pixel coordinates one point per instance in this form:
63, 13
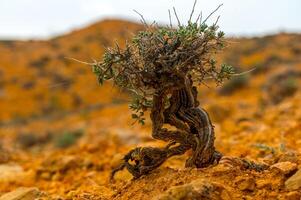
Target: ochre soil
42, 94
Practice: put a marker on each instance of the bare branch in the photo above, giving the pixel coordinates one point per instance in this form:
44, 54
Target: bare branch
199, 18
239, 74
79, 61
245, 72
175, 12
212, 13
192, 11
142, 18
215, 23
170, 22
154, 23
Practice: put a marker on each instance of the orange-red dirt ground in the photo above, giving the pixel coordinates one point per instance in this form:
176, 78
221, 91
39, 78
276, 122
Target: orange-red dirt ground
61, 133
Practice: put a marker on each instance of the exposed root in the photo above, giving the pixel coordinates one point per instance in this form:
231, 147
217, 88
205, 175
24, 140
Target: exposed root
194, 131
242, 163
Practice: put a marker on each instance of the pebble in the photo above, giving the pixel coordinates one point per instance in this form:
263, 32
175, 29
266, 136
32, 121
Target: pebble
22, 194
199, 189
284, 167
264, 183
293, 196
289, 156
46, 176
294, 182
246, 183
9, 172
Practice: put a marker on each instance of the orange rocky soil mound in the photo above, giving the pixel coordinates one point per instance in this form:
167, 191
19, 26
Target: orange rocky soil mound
61, 134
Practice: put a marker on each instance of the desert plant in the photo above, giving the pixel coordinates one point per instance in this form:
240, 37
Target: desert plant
280, 86
160, 67
234, 84
28, 140
68, 138
41, 62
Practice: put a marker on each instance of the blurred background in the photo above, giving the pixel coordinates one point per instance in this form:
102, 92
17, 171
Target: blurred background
28, 19
53, 112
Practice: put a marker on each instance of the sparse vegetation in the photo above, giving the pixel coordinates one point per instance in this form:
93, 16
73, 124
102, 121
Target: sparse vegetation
41, 62
160, 66
68, 138
28, 140
234, 84
281, 86
8, 43
81, 170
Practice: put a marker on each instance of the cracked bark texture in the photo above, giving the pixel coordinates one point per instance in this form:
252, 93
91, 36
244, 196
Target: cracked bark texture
194, 127
194, 130
159, 67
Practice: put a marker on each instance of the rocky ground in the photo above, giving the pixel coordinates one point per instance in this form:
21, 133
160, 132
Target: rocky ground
61, 142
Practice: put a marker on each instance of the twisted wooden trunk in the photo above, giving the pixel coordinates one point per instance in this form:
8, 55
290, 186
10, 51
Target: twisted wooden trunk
193, 131
194, 128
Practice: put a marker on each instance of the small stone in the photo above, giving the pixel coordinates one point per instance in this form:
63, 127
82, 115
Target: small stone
284, 167
246, 184
177, 193
293, 196
22, 194
10, 172
68, 162
46, 176
199, 189
289, 156
294, 182
263, 184
221, 169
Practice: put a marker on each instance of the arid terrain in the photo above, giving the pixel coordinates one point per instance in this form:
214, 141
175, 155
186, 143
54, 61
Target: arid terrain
61, 133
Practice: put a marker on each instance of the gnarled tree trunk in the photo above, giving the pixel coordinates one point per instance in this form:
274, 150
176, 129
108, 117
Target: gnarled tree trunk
193, 131
194, 128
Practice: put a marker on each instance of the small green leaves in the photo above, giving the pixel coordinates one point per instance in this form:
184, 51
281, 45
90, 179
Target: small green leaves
138, 105
220, 34
203, 27
138, 117
157, 56
135, 116
212, 62
99, 73
226, 72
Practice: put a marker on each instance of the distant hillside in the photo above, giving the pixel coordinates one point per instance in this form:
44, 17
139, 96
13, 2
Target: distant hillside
62, 133
36, 79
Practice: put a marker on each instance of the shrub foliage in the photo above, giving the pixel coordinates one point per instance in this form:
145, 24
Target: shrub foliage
160, 57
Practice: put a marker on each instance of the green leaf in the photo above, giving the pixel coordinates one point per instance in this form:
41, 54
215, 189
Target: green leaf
141, 122
134, 116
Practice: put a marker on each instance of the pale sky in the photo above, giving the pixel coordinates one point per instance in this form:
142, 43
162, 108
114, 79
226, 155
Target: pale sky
28, 19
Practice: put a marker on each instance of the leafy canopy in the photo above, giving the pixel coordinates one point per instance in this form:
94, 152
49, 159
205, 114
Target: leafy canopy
161, 57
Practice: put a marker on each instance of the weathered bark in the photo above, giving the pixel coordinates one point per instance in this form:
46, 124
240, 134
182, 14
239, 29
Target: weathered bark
194, 130
193, 123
